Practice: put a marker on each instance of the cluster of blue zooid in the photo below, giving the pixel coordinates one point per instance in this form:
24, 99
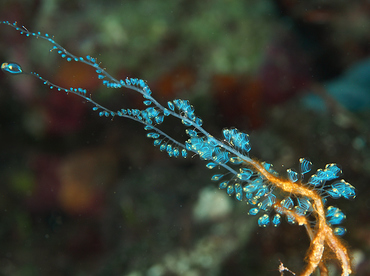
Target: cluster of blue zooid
242, 177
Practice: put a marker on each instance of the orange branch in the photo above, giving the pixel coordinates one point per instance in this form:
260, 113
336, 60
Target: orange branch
322, 236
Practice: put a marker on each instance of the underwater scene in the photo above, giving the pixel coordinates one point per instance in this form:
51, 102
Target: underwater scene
150, 138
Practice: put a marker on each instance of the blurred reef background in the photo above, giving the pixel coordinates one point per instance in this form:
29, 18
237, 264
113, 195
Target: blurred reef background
84, 195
